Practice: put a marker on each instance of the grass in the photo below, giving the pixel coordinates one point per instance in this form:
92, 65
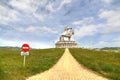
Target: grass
11, 62
106, 64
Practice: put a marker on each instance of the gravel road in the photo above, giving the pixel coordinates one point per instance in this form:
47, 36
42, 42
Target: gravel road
67, 68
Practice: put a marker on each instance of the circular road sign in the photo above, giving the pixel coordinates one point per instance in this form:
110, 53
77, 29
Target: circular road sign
25, 47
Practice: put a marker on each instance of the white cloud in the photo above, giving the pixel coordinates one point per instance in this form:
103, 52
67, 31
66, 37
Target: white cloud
112, 18
110, 26
37, 8
117, 39
63, 3
85, 27
87, 30
107, 1
8, 43
23, 5
50, 7
101, 44
19, 43
39, 16
7, 15
30, 7
36, 29
84, 21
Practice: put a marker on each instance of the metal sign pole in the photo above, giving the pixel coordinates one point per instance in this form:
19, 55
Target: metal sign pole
25, 48
24, 61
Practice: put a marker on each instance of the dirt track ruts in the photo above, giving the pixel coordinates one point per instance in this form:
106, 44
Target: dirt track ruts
67, 68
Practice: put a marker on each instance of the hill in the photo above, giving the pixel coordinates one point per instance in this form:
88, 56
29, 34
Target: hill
110, 48
39, 60
10, 47
105, 63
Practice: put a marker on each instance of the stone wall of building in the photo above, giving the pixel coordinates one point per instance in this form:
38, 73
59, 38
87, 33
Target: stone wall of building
66, 44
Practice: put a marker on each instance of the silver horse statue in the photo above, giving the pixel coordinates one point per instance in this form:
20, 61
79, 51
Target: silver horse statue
67, 34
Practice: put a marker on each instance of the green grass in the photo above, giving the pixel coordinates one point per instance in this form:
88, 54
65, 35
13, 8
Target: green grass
11, 62
106, 64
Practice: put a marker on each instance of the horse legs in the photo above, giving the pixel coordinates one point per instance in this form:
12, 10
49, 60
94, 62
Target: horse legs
69, 38
61, 38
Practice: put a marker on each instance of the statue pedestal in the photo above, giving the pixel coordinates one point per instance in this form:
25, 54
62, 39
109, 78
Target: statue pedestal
66, 44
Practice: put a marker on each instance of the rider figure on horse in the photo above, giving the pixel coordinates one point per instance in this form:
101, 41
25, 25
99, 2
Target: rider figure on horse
67, 33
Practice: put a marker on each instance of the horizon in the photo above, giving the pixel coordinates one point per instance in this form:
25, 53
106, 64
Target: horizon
52, 47
39, 23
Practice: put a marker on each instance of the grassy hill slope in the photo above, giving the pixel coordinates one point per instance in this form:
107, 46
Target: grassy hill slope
105, 63
11, 62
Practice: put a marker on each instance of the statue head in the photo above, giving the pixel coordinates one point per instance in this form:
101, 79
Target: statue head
67, 28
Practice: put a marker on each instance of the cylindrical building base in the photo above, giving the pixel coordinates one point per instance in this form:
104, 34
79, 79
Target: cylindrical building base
66, 44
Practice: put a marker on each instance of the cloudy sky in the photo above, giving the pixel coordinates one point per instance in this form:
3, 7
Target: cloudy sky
39, 22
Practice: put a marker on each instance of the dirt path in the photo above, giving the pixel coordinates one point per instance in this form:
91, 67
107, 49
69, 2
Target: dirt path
67, 68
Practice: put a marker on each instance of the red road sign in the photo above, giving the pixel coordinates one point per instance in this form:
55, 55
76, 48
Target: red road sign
25, 47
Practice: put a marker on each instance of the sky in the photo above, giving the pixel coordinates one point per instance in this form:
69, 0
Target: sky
96, 23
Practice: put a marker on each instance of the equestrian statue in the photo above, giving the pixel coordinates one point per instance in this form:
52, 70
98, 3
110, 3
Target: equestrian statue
66, 34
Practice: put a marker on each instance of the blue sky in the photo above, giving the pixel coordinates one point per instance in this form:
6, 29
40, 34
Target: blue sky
40, 22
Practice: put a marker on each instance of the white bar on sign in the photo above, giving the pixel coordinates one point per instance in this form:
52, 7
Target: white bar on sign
25, 47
